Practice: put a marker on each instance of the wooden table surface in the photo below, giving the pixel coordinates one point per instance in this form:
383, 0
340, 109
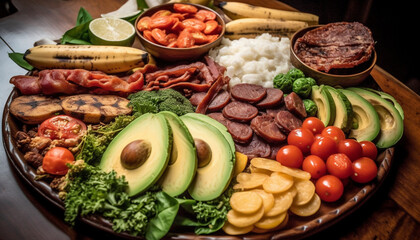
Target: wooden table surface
392, 213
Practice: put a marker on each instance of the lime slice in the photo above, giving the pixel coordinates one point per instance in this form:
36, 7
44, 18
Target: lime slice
111, 31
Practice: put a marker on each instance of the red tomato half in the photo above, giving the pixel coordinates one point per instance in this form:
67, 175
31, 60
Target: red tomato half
62, 127
56, 159
290, 156
314, 124
301, 138
351, 148
339, 165
369, 149
334, 132
364, 170
329, 188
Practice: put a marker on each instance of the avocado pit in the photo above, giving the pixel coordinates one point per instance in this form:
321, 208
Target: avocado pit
135, 154
203, 152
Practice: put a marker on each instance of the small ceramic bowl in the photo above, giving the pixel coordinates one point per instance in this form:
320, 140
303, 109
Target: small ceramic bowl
342, 77
178, 54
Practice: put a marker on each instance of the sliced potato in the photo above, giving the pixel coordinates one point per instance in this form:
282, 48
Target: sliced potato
307, 209
233, 230
246, 202
267, 198
267, 222
305, 191
282, 225
282, 203
295, 172
240, 163
268, 164
254, 169
277, 183
244, 220
251, 180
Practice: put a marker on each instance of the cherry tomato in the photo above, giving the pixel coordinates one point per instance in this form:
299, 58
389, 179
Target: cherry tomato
184, 8
323, 147
334, 132
185, 39
339, 165
369, 149
364, 170
301, 138
290, 156
205, 15
351, 148
315, 166
56, 159
194, 23
62, 127
314, 124
329, 188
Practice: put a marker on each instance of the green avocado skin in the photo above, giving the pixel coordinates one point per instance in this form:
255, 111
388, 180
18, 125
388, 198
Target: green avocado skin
343, 109
391, 121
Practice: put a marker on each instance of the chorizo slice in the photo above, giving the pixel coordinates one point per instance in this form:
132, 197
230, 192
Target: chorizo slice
265, 127
295, 105
219, 101
256, 148
287, 122
248, 92
273, 98
196, 98
241, 132
240, 111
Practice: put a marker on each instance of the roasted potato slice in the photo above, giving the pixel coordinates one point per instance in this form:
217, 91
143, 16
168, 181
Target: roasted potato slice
267, 198
246, 202
307, 209
267, 222
244, 220
251, 180
277, 183
268, 164
234, 230
282, 203
305, 191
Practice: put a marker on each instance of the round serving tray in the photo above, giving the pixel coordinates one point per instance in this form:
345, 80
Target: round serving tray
355, 195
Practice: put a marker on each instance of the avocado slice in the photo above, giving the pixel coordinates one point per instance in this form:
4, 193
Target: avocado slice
391, 122
390, 98
149, 128
367, 120
325, 104
343, 110
182, 165
210, 180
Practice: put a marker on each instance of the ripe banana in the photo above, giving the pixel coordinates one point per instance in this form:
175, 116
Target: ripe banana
108, 59
237, 10
252, 27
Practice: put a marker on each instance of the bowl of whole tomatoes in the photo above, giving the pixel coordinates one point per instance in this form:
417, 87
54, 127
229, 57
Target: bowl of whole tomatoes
179, 31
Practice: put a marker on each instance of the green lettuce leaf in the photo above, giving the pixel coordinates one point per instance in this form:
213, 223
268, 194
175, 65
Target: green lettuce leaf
19, 60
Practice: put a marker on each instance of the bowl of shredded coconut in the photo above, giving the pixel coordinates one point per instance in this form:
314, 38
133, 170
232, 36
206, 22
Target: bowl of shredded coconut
253, 60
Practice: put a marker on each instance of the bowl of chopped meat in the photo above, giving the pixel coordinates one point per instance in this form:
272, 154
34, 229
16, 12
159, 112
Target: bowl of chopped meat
179, 31
337, 54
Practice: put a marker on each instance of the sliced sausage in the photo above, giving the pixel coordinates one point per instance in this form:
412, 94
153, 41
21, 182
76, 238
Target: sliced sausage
273, 98
248, 92
286, 121
219, 101
218, 116
275, 148
273, 111
256, 148
241, 132
265, 127
295, 105
196, 98
240, 111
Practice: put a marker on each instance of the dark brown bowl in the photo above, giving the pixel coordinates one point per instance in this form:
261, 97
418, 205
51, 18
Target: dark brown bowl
178, 54
337, 77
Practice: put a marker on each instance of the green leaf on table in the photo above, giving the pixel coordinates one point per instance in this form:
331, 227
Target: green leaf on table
80, 33
19, 60
141, 4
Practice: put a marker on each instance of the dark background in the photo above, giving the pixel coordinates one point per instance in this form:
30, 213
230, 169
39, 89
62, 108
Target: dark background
393, 25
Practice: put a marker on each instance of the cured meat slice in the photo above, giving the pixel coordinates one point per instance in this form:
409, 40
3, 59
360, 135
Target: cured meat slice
196, 98
218, 116
241, 132
273, 98
240, 111
219, 101
286, 121
335, 45
256, 148
295, 105
273, 111
248, 92
265, 127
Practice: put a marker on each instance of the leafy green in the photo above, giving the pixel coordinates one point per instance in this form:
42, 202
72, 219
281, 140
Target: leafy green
310, 107
19, 60
303, 86
294, 74
80, 33
283, 83
142, 4
157, 101
96, 141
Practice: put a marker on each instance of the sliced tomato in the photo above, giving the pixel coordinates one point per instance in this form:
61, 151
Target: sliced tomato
212, 38
205, 15
185, 8
185, 39
161, 13
62, 127
160, 36
211, 27
56, 159
144, 24
194, 23
162, 22
199, 37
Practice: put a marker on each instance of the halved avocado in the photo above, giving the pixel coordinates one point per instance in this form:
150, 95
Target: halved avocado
210, 180
390, 98
366, 126
391, 122
343, 110
182, 165
145, 165
325, 104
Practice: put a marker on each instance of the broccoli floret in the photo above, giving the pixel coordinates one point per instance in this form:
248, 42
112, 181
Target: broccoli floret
162, 100
283, 83
303, 86
294, 74
310, 107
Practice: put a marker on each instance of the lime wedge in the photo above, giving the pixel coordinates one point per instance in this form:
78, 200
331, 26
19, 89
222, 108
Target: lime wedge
111, 31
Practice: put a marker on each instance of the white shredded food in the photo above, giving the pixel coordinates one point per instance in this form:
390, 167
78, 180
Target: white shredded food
257, 60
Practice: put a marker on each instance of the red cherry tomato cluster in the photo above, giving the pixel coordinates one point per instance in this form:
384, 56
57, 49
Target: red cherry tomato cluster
329, 157
184, 28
